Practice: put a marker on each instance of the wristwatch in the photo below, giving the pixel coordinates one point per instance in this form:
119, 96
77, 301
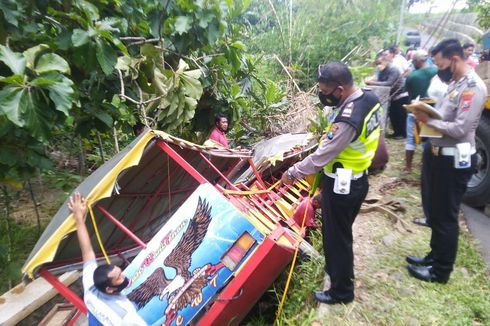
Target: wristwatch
289, 175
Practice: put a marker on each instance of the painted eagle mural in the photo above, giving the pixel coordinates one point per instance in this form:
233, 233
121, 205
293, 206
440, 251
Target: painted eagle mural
186, 286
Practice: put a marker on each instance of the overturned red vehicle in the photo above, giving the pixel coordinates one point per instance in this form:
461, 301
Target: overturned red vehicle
202, 232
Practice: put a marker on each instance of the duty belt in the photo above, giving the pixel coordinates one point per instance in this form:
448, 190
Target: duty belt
353, 177
447, 151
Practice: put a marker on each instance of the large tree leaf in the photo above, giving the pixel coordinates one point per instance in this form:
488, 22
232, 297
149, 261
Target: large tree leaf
61, 93
13, 104
11, 12
38, 117
52, 62
106, 56
15, 61
182, 24
31, 54
192, 87
79, 37
105, 118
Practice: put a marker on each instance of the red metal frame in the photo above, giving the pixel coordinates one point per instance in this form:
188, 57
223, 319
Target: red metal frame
257, 174
232, 186
121, 226
65, 291
180, 161
145, 206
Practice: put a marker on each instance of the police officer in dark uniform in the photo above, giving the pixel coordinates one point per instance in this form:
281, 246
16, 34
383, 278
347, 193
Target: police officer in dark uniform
449, 161
344, 154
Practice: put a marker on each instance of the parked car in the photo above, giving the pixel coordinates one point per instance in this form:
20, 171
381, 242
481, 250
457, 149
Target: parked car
412, 38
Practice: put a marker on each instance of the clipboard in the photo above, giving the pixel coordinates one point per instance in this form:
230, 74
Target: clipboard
421, 106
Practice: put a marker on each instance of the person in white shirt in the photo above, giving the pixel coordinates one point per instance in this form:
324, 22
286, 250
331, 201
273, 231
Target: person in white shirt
398, 60
102, 285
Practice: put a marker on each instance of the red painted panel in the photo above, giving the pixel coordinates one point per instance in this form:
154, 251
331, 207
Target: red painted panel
256, 276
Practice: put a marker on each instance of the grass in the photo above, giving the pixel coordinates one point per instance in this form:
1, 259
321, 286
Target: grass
21, 228
385, 293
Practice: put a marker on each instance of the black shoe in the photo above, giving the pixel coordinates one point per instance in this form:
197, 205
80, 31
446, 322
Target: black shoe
421, 221
420, 261
325, 297
426, 273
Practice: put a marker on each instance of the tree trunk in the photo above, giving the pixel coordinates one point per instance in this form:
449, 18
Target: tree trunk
101, 150
81, 160
116, 142
38, 217
7, 229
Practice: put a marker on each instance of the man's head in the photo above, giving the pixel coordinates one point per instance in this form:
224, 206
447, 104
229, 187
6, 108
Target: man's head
109, 279
138, 128
449, 58
381, 60
419, 58
468, 49
391, 52
335, 83
221, 122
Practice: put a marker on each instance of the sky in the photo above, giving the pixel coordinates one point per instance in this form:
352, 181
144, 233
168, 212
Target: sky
437, 6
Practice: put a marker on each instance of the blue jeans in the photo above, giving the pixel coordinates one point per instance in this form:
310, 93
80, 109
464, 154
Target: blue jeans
410, 141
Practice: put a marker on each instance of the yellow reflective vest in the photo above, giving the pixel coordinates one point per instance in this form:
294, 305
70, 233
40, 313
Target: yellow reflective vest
364, 114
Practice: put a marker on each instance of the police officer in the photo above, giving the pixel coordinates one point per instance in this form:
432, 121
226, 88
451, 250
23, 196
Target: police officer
344, 155
450, 160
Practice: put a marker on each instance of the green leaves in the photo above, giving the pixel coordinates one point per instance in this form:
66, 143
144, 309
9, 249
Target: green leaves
26, 99
106, 56
52, 62
15, 61
79, 37
12, 104
182, 24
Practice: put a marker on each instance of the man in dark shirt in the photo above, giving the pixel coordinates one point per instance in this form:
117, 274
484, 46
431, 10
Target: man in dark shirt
390, 76
417, 83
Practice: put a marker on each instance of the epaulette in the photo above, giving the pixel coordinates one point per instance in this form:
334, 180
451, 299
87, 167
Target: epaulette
470, 81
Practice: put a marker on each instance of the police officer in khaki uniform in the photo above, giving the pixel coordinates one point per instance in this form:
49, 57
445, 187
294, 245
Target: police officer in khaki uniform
450, 161
344, 154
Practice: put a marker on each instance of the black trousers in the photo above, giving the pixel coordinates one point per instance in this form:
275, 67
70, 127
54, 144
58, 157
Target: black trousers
425, 178
446, 187
398, 116
339, 213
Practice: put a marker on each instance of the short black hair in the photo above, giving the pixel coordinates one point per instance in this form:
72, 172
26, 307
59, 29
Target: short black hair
101, 277
138, 128
220, 116
335, 72
468, 45
392, 49
449, 48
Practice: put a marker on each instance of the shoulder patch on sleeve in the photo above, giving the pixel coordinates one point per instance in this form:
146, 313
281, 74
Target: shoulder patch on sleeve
331, 132
466, 99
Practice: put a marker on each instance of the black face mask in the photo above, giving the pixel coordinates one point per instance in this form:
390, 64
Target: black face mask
328, 100
445, 75
122, 286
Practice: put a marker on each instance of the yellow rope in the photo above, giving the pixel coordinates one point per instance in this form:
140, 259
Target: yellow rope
97, 233
293, 263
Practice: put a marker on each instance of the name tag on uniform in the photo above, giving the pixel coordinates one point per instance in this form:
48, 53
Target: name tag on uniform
453, 95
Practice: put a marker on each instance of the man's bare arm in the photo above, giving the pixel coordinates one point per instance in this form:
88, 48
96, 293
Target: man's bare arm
78, 206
